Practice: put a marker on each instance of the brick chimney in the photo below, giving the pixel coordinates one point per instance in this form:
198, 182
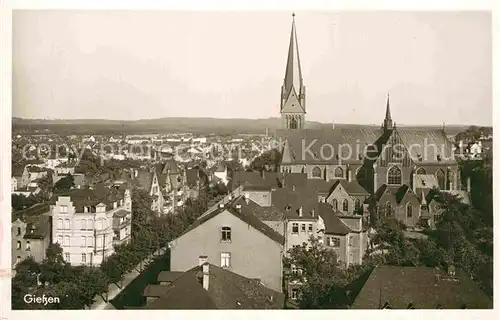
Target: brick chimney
206, 275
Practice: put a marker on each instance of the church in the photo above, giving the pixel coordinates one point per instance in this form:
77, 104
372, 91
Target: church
395, 166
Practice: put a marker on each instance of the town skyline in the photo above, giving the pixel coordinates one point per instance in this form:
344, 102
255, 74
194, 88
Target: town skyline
86, 71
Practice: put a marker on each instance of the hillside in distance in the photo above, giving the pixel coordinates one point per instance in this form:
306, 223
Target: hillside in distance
177, 125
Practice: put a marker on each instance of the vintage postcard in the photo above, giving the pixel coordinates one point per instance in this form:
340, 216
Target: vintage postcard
307, 159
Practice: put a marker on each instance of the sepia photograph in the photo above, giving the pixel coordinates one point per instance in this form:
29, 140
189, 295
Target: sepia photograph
286, 159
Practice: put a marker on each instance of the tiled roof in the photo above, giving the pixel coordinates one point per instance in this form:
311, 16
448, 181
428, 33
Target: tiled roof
298, 180
262, 213
266, 180
352, 187
425, 288
226, 290
38, 227
320, 185
36, 210
248, 218
92, 197
169, 276
426, 181
156, 290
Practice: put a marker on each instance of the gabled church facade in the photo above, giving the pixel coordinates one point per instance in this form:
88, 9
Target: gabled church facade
402, 161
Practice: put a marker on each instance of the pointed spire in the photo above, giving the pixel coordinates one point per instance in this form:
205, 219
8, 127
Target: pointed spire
293, 73
388, 110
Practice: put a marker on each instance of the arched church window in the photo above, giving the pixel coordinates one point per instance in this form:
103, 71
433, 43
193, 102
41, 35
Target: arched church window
335, 204
394, 175
357, 204
345, 205
339, 172
293, 123
420, 171
409, 210
316, 172
441, 179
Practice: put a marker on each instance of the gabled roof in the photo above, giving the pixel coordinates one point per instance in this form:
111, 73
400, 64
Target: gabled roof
289, 201
398, 192
37, 227
226, 290
424, 287
245, 217
351, 187
333, 224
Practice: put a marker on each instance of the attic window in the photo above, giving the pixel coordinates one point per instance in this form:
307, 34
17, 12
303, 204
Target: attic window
288, 208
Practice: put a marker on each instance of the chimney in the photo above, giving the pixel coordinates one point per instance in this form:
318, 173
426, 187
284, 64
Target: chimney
221, 205
238, 207
293, 188
136, 173
300, 211
468, 184
206, 275
313, 213
202, 260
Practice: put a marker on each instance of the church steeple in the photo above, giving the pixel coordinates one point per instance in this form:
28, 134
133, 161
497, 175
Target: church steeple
388, 118
292, 106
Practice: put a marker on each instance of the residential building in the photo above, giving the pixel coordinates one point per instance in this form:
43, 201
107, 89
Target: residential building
208, 286
21, 175
30, 236
148, 180
391, 287
87, 223
232, 239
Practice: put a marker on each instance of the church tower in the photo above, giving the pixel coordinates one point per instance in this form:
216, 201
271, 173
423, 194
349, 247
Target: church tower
387, 125
293, 91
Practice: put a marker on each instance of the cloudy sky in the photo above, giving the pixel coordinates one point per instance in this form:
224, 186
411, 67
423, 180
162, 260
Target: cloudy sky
150, 64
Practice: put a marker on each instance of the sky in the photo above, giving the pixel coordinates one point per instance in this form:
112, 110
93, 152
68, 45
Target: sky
128, 65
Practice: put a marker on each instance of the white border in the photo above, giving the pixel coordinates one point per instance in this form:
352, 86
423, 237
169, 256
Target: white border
289, 5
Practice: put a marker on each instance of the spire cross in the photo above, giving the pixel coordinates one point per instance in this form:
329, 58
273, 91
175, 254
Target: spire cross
293, 16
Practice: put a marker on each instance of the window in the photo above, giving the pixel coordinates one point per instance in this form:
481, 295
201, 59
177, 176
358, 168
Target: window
18, 259
394, 175
83, 224
334, 242
295, 228
388, 209
67, 257
66, 224
90, 241
316, 172
440, 178
60, 240
335, 204
357, 204
99, 224
82, 241
420, 171
345, 205
84, 258
66, 241
294, 268
90, 224
294, 294
351, 241
409, 210
18, 231
225, 259
339, 172
19, 245
226, 234
59, 223
28, 246
303, 227
64, 209
310, 227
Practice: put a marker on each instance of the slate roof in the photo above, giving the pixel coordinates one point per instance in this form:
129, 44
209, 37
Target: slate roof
419, 139
289, 201
247, 218
92, 197
305, 145
400, 286
299, 180
226, 290
265, 180
262, 213
333, 224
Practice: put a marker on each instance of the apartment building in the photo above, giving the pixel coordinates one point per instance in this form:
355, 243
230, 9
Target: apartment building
87, 223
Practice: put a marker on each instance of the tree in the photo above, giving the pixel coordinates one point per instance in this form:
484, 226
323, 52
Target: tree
65, 184
21, 202
112, 269
92, 282
322, 280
